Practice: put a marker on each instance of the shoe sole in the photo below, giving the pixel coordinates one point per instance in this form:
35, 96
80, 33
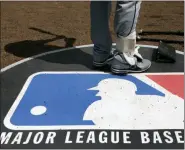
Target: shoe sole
117, 71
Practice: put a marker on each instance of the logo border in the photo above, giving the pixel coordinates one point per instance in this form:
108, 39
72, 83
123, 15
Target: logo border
9, 125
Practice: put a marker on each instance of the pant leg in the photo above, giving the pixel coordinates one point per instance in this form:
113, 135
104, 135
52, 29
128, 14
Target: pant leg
125, 22
126, 17
100, 34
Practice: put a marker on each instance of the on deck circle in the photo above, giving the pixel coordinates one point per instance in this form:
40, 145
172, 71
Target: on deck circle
76, 59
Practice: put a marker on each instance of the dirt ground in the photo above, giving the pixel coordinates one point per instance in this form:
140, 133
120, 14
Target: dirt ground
29, 28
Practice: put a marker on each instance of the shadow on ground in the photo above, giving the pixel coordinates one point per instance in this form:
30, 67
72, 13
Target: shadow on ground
30, 48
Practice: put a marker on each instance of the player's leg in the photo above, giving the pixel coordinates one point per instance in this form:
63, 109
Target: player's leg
100, 34
127, 59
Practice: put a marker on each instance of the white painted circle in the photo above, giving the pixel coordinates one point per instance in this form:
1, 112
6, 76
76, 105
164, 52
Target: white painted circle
38, 110
59, 50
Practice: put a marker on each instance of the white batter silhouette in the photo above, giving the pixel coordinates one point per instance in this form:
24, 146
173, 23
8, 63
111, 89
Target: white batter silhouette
120, 108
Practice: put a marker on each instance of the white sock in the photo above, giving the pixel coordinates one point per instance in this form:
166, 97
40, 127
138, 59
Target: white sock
127, 44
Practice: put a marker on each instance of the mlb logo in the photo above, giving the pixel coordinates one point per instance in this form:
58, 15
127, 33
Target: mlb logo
95, 100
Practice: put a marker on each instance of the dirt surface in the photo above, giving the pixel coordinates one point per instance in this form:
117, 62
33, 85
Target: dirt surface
23, 26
